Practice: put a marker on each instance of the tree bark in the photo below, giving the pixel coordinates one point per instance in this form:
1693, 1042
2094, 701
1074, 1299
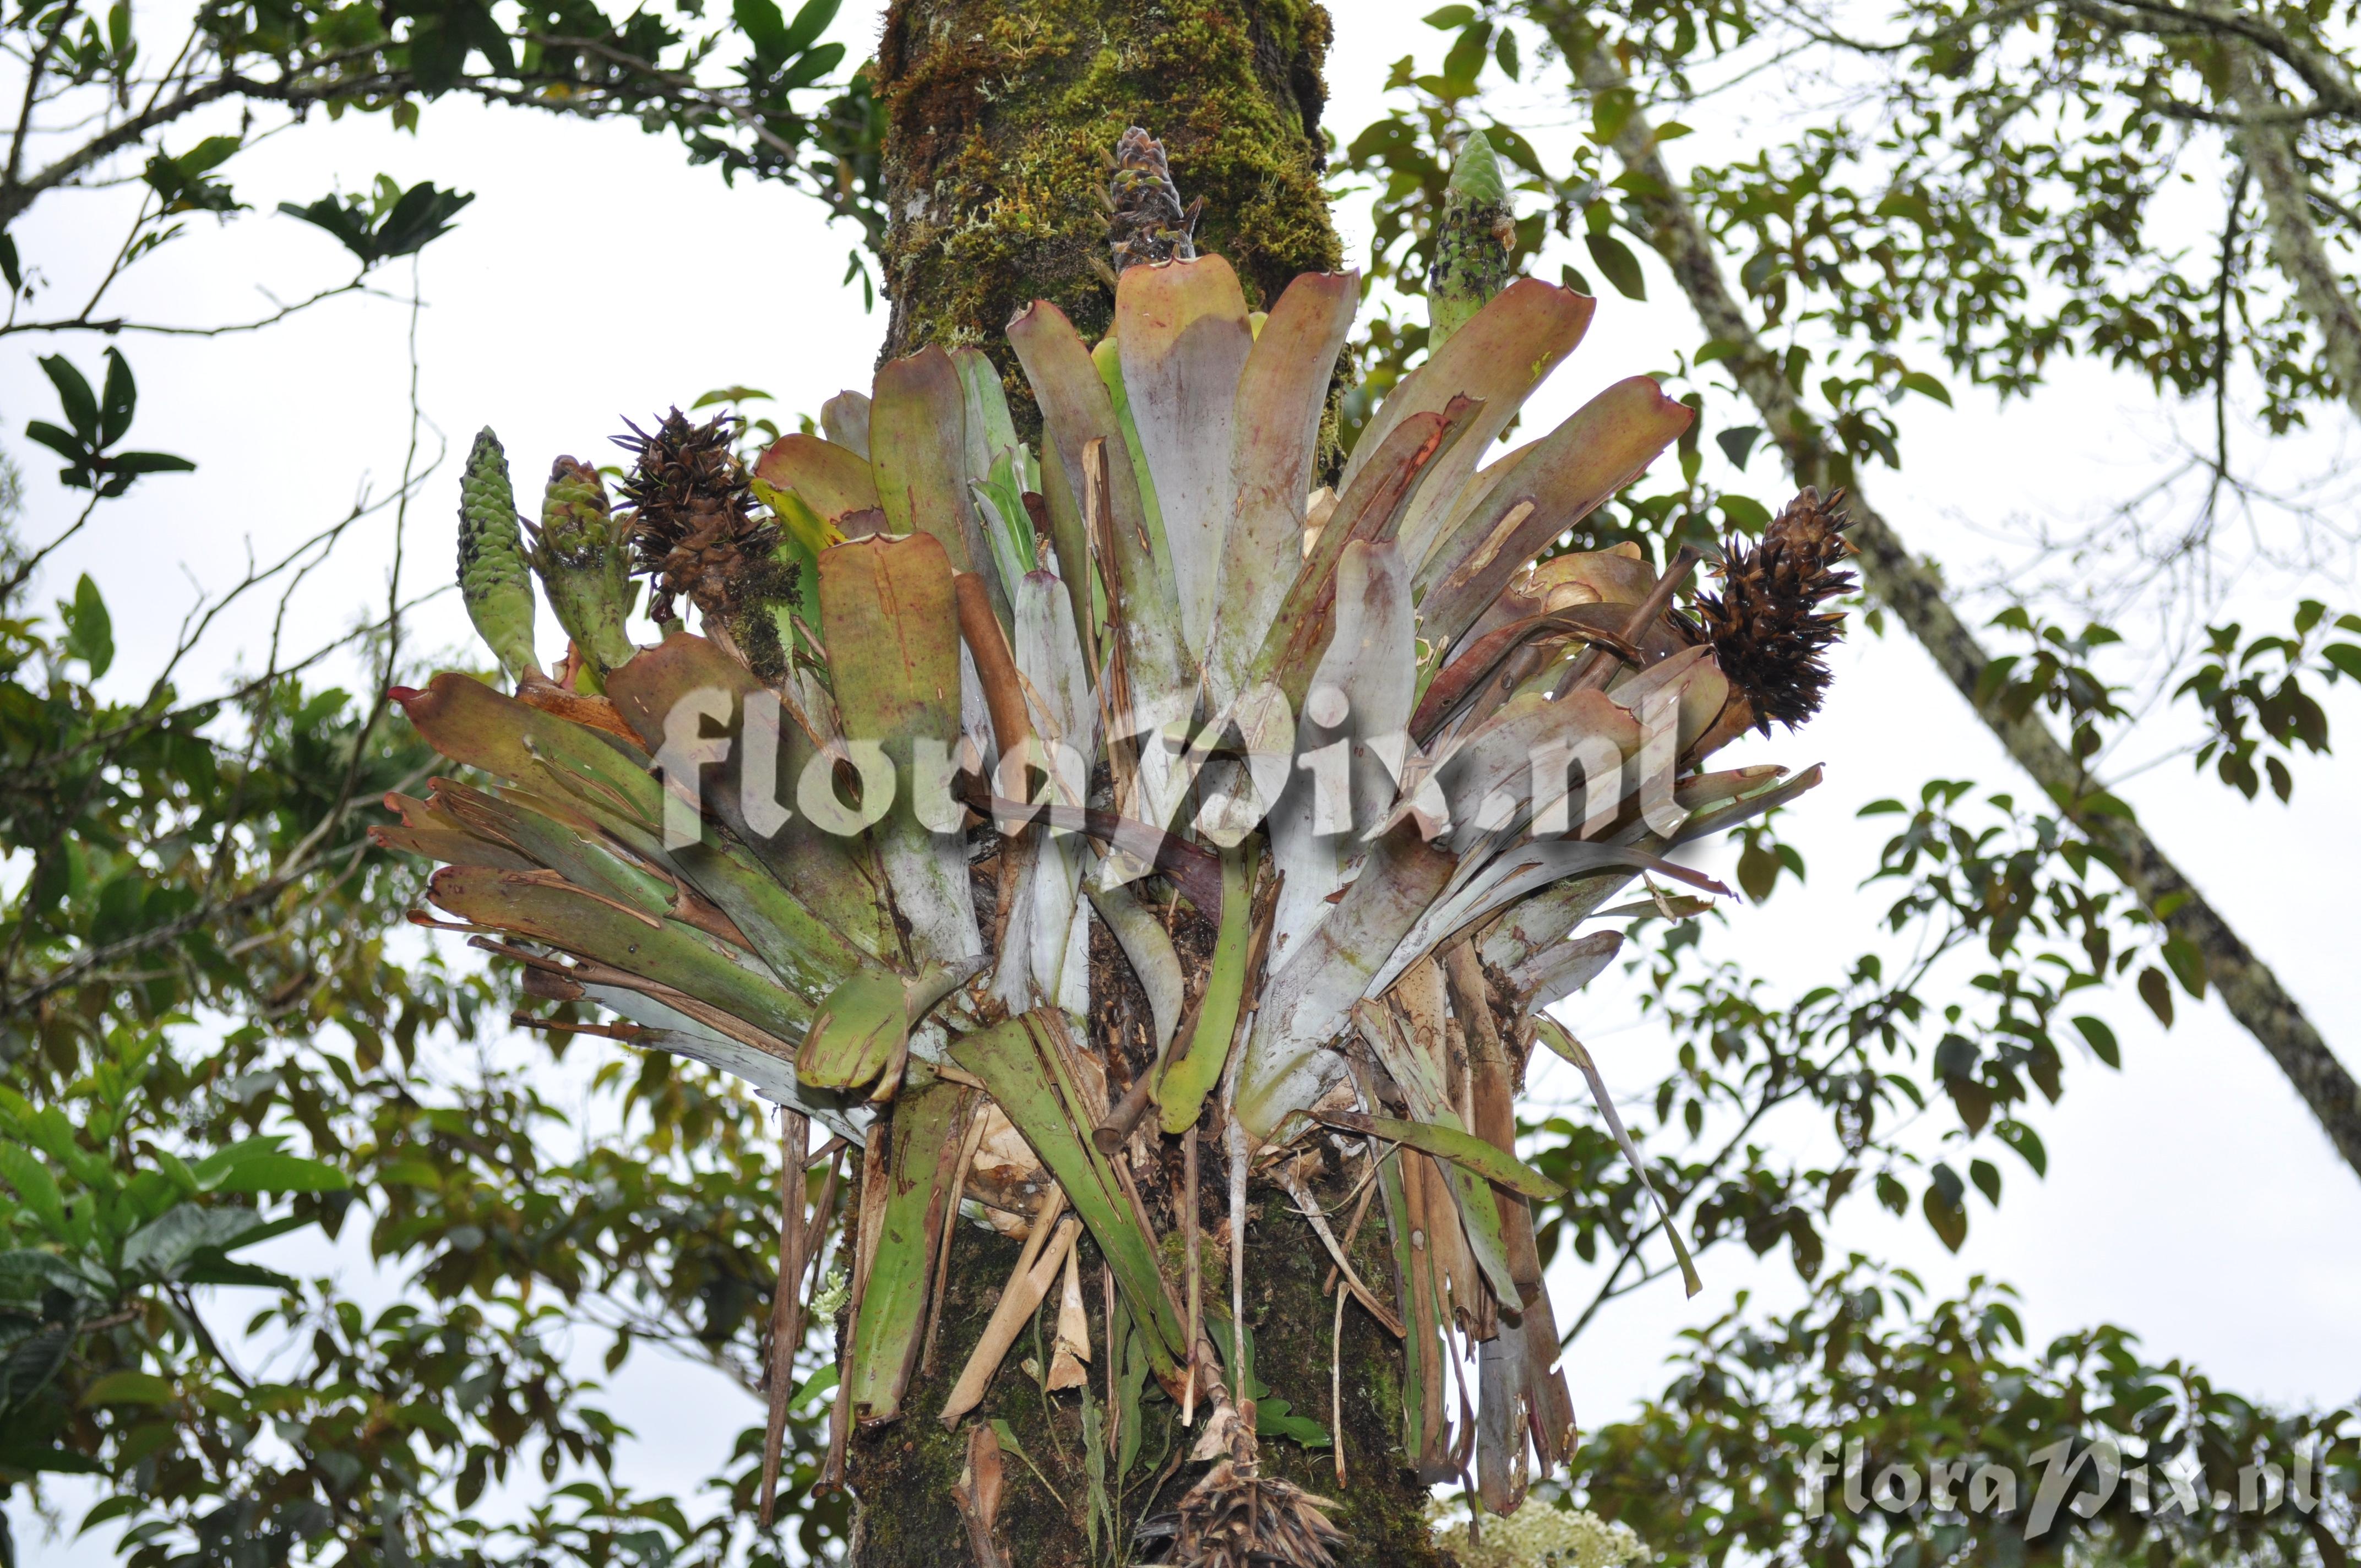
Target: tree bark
1913, 589
1000, 118
2269, 151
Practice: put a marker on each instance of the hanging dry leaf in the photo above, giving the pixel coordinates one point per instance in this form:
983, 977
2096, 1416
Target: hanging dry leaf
1073, 1344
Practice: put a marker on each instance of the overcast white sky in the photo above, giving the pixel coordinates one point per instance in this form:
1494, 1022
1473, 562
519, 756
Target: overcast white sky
2190, 1198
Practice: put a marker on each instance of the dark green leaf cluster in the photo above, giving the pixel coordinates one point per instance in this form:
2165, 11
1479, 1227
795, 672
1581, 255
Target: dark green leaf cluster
94, 422
2254, 697
1719, 1469
392, 222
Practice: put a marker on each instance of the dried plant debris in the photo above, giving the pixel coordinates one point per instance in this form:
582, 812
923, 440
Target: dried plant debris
1236, 1518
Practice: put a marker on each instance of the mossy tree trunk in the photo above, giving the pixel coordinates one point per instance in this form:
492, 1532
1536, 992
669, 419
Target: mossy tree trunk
1001, 115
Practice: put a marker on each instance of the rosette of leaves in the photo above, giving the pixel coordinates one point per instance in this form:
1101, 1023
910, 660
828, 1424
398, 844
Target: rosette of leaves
1355, 761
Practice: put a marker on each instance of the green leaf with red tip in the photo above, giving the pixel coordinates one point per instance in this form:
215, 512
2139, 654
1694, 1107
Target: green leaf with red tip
469, 722
832, 881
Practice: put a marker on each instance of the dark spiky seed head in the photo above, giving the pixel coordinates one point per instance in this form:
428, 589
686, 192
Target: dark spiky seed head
693, 529
1766, 626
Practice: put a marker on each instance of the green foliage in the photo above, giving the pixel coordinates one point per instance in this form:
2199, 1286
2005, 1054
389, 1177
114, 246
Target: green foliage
180, 185
774, 112
2254, 700
216, 1035
1719, 1469
392, 222
94, 422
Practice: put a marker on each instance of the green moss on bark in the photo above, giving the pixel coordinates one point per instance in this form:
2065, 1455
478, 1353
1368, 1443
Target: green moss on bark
1001, 113
1380, 1507
904, 1472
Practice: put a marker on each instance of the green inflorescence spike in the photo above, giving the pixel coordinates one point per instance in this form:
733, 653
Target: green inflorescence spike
493, 579
584, 562
1472, 241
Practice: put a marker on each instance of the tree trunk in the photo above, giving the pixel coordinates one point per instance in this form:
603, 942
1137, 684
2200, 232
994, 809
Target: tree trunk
1002, 116
902, 1473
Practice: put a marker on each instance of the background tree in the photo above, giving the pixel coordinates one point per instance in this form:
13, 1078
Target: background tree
1979, 205
1991, 873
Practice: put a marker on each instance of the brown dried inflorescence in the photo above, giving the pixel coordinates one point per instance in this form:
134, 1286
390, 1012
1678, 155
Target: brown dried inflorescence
1148, 224
1766, 626
693, 529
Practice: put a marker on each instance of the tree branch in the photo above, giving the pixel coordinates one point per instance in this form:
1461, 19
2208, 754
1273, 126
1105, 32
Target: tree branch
2268, 151
112, 326
16, 195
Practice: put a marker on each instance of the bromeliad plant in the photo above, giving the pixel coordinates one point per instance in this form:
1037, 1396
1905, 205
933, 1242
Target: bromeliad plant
1340, 771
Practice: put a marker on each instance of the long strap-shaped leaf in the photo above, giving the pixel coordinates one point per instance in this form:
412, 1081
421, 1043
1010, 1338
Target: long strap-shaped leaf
1479, 1212
1282, 394
1567, 1046
1289, 1064
1370, 511
469, 722
1191, 1073
1021, 1071
1462, 1148
892, 638
921, 1190
1370, 662
1600, 448
835, 879
1497, 359
539, 906
1181, 332
1075, 411
918, 454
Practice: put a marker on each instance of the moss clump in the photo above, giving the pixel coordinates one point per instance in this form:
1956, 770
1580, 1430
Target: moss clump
1001, 115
